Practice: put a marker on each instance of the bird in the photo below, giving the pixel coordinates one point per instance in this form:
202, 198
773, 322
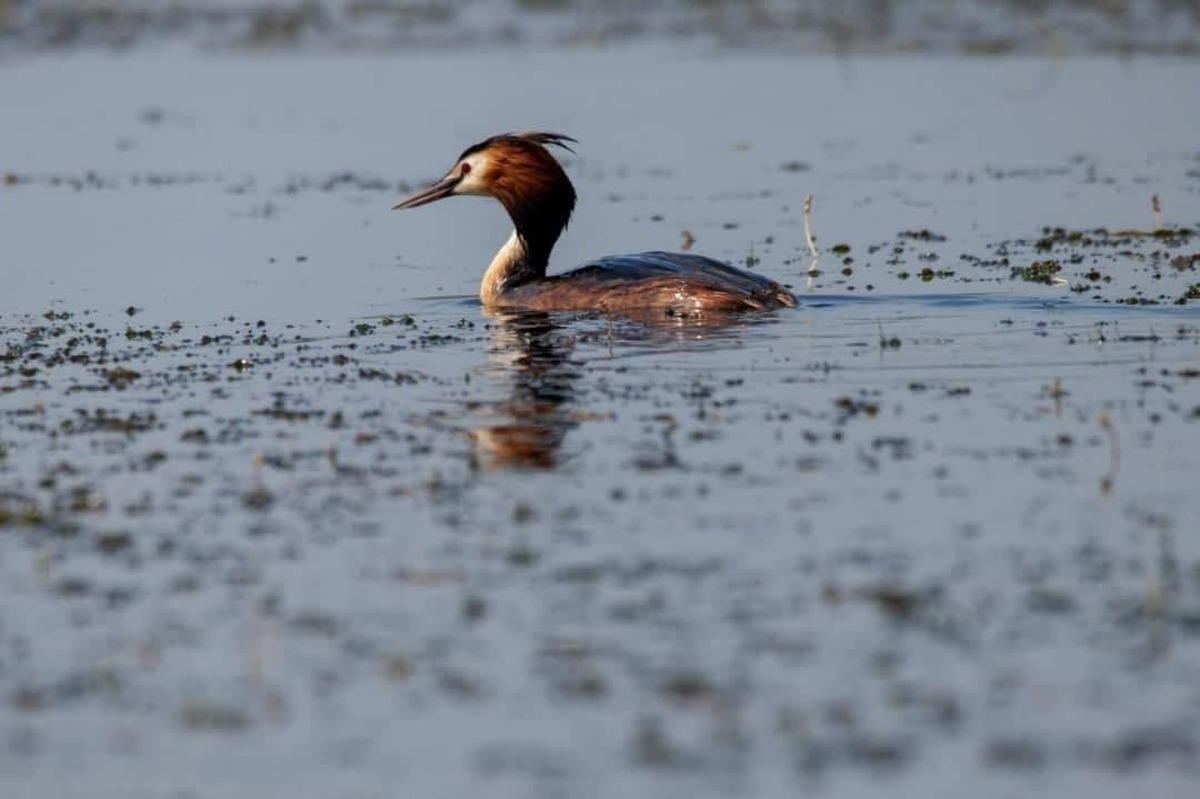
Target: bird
519, 171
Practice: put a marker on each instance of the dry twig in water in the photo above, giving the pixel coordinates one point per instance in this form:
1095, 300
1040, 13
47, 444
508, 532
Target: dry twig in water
808, 237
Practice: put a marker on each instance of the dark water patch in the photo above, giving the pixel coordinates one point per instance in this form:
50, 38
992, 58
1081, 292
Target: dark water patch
993, 302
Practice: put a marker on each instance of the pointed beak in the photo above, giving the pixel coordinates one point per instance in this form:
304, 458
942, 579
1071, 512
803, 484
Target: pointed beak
443, 188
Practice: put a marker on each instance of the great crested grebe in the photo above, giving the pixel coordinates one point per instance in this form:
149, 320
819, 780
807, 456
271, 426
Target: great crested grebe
519, 171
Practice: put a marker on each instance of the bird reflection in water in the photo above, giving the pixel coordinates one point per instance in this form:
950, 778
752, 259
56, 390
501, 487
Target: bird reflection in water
534, 354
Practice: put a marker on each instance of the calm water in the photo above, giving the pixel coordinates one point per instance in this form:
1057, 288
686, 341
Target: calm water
305, 520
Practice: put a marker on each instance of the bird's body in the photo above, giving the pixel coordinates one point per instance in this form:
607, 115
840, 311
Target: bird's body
519, 171
675, 284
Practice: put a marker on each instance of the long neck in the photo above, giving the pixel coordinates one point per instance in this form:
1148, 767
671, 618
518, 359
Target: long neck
510, 268
539, 211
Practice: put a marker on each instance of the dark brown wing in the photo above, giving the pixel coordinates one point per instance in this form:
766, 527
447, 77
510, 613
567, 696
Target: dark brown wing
676, 284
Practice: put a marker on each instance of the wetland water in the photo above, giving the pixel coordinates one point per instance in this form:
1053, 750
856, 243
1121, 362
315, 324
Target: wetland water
282, 511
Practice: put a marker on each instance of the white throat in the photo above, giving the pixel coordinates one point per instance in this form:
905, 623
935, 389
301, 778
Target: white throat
501, 266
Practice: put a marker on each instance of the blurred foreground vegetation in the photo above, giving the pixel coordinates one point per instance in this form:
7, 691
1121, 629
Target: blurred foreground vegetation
979, 27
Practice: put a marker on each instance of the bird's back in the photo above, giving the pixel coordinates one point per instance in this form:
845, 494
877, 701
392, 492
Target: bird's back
671, 284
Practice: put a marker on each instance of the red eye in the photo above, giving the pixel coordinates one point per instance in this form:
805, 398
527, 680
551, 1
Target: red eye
466, 169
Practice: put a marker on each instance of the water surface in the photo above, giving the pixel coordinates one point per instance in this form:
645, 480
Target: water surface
284, 511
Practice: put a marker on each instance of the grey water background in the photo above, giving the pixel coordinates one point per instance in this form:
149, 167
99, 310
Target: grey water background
282, 510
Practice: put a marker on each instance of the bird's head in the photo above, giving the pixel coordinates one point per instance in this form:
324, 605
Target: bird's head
515, 168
